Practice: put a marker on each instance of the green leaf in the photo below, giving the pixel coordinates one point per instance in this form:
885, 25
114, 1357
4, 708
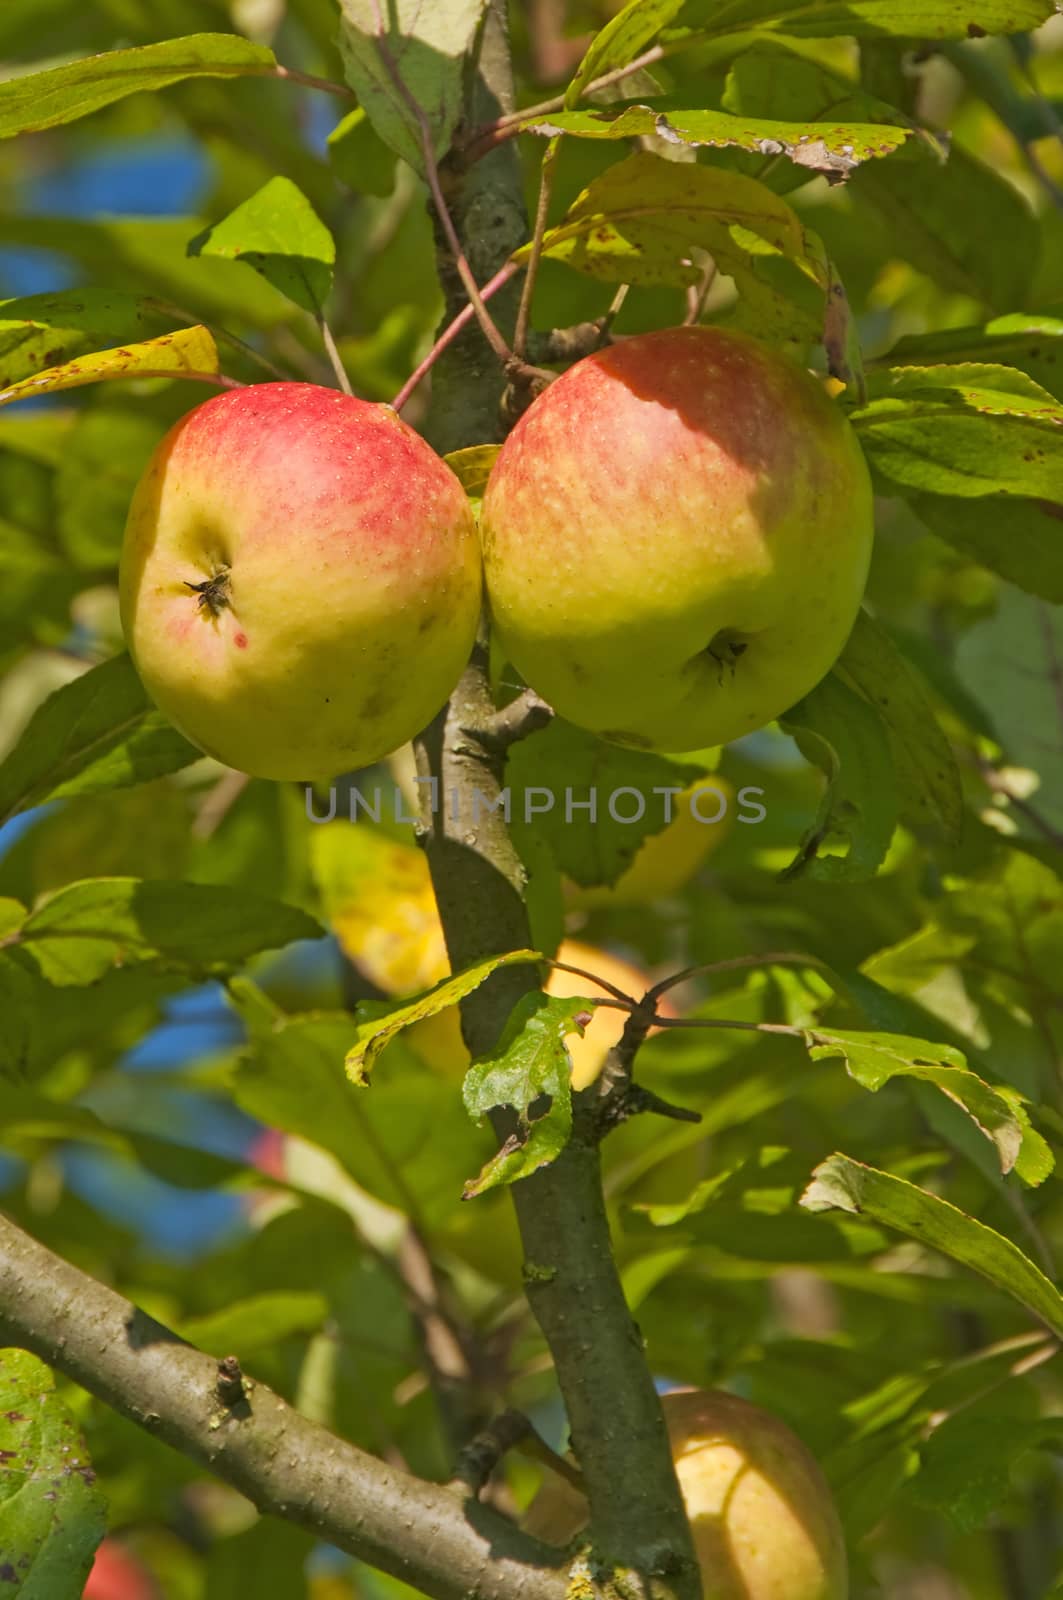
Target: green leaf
280, 235
925, 764
419, 63
962, 224
838, 731
968, 431
51, 1511
1031, 342
472, 467
833, 148
873, 1059
1010, 663
359, 156
839, 1182
751, 1211
904, 19
184, 350
639, 221
378, 1024
138, 253
589, 786
103, 457
966, 1466
624, 37
257, 1323
409, 1143
62, 94
41, 330
1020, 539
84, 929
99, 732
530, 1071
267, 1560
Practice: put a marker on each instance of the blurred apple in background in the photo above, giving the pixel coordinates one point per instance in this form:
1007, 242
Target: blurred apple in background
118, 1575
765, 1526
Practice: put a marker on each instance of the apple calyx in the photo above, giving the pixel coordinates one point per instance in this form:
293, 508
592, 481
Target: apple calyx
214, 593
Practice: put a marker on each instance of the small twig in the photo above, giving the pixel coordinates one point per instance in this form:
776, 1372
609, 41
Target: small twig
728, 1023
217, 803
446, 1359
478, 1460
333, 353
521, 717
309, 81
451, 332
775, 958
625, 1001
993, 781
491, 134
490, 329
546, 185
698, 293
606, 328
535, 1447
181, 314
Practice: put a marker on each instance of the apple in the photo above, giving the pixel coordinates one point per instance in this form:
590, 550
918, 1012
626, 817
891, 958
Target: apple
117, 1575
764, 1524
666, 861
300, 580
676, 538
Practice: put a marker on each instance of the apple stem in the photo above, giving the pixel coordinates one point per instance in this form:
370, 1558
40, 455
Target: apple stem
333, 354
309, 81
546, 186
491, 134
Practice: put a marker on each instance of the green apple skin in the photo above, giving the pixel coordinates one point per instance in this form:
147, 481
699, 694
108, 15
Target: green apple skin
676, 538
346, 580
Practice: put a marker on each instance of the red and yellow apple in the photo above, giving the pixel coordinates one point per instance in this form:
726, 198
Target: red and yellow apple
300, 580
676, 538
764, 1524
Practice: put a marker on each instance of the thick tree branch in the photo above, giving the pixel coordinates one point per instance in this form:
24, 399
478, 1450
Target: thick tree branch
639, 1528
427, 1534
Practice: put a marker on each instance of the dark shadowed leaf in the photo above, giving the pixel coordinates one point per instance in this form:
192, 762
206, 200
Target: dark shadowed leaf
98, 732
418, 62
594, 803
926, 767
85, 929
842, 734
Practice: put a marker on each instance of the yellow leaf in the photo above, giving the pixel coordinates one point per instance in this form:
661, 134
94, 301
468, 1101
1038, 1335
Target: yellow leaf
184, 350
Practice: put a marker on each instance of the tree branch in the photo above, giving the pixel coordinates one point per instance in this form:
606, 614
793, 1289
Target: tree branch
424, 1533
639, 1527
